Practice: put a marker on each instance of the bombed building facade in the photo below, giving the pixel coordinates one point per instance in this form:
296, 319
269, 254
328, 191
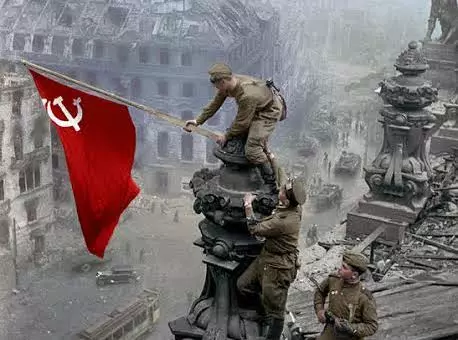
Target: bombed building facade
153, 52
26, 204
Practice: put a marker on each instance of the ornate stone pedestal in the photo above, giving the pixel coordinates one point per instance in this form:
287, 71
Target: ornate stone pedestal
446, 137
442, 60
399, 176
227, 246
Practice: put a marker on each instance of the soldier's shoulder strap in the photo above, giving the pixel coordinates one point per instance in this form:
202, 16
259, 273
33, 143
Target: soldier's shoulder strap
334, 281
366, 292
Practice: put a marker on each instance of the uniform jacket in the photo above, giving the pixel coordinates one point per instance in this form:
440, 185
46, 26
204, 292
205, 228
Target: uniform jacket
281, 231
352, 302
254, 100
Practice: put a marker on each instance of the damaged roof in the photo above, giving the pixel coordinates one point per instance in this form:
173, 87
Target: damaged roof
219, 22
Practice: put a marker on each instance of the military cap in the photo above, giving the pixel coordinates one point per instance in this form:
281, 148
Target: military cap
219, 71
297, 185
356, 260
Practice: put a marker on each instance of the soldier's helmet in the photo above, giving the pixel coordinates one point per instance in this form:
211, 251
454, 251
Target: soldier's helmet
299, 190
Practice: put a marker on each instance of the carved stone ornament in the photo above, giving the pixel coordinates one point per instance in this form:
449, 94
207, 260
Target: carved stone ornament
409, 91
401, 171
227, 245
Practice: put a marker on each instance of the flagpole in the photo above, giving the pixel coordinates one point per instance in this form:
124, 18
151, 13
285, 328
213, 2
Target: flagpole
171, 119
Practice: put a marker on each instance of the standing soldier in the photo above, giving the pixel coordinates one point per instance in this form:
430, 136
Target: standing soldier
444, 11
352, 311
273, 271
260, 107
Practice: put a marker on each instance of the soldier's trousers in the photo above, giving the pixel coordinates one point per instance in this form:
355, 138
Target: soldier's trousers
272, 283
258, 135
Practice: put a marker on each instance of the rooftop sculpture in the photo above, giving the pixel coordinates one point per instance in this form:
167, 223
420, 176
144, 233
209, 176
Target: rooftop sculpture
398, 177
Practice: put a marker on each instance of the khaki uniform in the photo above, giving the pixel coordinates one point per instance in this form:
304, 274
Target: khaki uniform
351, 302
273, 271
280, 175
258, 112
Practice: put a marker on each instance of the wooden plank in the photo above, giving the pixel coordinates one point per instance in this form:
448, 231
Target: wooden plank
379, 287
369, 239
420, 263
434, 257
402, 289
440, 333
419, 302
437, 234
434, 243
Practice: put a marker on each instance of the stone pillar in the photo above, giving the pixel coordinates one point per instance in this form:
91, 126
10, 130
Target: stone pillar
228, 248
446, 137
398, 178
442, 60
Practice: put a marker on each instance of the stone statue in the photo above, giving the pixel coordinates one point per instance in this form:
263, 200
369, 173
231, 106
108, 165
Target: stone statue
446, 11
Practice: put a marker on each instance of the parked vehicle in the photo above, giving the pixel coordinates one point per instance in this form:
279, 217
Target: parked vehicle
348, 163
118, 274
330, 195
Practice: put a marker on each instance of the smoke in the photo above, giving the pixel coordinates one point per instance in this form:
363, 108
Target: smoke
323, 43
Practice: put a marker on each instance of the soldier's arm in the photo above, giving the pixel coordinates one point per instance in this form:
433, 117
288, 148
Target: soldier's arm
321, 294
241, 124
211, 108
268, 228
369, 317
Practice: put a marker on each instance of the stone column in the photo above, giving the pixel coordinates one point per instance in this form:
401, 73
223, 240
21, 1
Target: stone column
227, 246
446, 137
398, 178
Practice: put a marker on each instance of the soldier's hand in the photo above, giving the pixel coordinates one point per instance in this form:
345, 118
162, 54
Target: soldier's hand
188, 125
270, 155
344, 326
249, 198
321, 316
221, 140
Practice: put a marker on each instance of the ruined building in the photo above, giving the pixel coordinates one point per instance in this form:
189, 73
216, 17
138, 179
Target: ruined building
155, 52
26, 205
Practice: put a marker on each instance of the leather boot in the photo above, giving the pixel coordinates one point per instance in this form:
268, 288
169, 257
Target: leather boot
268, 174
275, 329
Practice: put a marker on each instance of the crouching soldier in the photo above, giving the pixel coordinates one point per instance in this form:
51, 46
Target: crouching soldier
260, 107
273, 271
352, 311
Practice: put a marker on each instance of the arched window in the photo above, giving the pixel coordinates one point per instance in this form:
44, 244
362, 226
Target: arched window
136, 88
18, 144
187, 147
163, 142
186, 59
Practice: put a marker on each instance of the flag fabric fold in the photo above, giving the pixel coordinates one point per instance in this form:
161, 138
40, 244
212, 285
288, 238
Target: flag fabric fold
98, 138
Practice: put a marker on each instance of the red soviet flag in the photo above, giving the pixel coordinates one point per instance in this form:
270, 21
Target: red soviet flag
98, 137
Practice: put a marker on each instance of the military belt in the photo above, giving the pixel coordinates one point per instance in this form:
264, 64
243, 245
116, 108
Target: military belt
280, 252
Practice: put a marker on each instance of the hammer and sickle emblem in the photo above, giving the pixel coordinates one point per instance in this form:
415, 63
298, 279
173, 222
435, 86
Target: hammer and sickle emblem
71, 121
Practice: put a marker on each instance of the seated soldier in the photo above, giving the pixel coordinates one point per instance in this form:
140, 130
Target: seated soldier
352, 312
270, 275
259, 109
